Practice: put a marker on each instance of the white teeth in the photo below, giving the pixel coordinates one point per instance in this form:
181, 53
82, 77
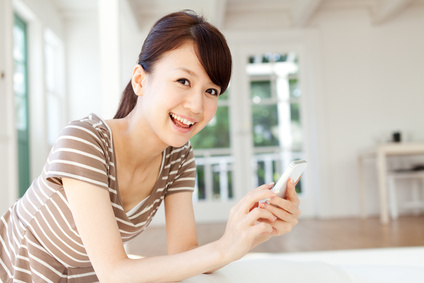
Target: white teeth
182, 120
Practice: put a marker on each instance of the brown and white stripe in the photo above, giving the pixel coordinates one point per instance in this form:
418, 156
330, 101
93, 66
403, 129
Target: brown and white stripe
38, 238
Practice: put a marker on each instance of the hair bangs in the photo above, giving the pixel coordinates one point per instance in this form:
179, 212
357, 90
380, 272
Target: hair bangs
214, 54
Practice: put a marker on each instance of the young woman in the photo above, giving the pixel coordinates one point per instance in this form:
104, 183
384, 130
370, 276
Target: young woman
104, 180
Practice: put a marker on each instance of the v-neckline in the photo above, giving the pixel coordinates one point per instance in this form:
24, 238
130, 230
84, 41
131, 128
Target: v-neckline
116, 174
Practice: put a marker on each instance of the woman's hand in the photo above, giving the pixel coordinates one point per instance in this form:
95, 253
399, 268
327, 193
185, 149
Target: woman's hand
244, 226
286, 210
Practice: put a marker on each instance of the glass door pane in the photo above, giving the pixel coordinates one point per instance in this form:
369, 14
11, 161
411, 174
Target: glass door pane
20, 87
276, 116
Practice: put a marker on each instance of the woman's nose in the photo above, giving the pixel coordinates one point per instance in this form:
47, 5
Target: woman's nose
194, 102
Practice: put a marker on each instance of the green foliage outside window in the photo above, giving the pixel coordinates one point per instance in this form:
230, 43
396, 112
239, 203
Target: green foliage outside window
216, 134
265, 125
260, 89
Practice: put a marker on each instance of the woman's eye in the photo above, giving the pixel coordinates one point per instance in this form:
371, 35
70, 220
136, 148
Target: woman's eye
184, 82
212, 91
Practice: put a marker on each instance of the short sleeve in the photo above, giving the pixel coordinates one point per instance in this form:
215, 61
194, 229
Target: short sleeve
81, 152
185, 179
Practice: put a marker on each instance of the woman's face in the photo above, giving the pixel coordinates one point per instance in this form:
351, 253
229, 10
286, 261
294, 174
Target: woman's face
178, 98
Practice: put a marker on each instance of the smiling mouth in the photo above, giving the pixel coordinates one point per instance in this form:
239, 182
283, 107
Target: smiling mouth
181, 122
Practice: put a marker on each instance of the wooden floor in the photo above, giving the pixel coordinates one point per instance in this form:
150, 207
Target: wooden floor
308, 235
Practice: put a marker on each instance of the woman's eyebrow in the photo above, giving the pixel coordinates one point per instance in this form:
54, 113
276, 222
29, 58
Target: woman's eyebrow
191, 73
184, 69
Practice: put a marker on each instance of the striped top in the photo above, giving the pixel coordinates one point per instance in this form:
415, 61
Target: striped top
39, 241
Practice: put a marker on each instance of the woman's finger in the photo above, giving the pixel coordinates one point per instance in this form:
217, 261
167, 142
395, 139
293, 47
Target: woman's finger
285, 214
282, 227
287, 205
291, 194
258, 214
262, 227
250, 199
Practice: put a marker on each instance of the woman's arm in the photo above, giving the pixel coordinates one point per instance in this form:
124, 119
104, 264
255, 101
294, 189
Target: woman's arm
180, 224
96, 224
181, 232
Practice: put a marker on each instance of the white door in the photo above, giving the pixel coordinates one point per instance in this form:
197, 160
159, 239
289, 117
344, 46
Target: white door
278, 119
259, 128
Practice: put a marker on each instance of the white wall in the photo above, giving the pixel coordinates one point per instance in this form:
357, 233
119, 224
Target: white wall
372, 86
364, 82
131, 40
82, 65
84, 61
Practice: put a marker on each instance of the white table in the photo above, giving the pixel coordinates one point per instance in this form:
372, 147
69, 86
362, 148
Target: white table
381, 152
388, 265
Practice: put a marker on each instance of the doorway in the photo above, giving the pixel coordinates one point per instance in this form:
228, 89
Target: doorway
20, 89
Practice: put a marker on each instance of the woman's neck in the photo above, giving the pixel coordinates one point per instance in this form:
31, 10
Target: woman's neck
135, 147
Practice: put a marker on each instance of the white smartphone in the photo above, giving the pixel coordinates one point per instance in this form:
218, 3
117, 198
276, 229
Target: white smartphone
293, 172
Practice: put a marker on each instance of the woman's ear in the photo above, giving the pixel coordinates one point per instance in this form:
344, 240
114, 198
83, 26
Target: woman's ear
138, 79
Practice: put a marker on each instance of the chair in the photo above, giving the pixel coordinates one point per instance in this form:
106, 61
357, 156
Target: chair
416, 178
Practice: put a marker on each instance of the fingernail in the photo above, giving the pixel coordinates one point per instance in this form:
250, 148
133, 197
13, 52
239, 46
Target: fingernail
291, 181
270, 199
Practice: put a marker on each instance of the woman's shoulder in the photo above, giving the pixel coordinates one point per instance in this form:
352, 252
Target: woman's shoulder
91, 122
91, 125
183, 152
86, 134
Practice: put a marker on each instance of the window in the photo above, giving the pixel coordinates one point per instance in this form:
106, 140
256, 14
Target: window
214, 162
20, 89
276, 118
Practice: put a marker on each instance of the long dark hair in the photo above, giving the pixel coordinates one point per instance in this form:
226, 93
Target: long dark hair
169, 33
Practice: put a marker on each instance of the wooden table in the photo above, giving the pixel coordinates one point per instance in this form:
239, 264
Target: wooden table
381, 152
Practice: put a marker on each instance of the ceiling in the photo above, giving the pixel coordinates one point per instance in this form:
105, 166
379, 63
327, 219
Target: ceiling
288, 13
